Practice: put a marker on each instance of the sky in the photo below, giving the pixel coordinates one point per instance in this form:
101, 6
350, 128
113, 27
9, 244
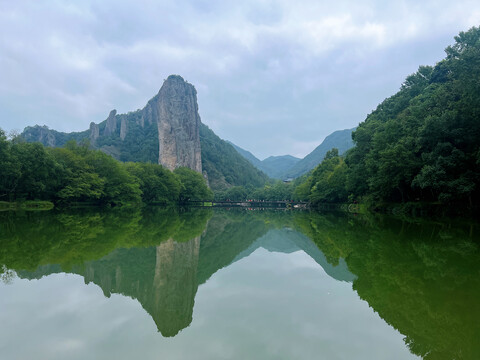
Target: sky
274, 77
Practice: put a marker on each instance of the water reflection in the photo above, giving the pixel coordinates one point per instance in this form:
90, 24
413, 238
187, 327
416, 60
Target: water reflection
422, 278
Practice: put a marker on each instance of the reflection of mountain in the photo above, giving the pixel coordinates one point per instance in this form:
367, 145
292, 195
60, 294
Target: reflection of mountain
164, 278
422, 278
175, 285
225, 237
289, 241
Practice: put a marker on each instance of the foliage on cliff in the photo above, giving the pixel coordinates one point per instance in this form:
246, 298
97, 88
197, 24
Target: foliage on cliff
140, 143
421, 144
224, 166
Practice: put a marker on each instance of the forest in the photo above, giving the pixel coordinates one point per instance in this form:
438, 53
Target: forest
76, 173
420, 145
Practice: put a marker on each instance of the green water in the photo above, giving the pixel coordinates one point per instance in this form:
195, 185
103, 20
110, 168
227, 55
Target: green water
213, 284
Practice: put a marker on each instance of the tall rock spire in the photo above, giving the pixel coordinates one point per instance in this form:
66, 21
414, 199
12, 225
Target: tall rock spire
176, 111
111, 125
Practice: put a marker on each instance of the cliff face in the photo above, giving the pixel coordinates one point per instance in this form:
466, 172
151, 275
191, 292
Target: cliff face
111, 125
175, 111
94, 132
40, 134
169, 123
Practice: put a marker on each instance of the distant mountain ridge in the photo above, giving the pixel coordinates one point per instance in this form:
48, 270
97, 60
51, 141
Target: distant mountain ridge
290, 167
273, 166
277, 165
340, 139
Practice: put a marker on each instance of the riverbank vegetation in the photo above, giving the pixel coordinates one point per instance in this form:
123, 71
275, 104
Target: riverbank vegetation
420, 145
77, 174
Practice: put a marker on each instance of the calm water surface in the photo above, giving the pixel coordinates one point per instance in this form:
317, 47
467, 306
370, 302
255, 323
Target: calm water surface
203, 284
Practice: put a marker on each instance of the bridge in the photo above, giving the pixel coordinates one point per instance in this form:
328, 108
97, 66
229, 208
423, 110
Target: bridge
282, 204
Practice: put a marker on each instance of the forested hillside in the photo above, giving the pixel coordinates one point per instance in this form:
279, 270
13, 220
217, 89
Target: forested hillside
421, 144
224, 166
277, 166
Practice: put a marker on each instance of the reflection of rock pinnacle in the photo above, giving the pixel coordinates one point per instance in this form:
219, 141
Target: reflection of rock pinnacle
175, 285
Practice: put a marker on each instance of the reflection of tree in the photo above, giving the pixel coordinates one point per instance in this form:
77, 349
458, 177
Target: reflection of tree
7, 275
32, 239
422, 278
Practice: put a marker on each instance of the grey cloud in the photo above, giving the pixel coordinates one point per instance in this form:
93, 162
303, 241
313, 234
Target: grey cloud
274, 77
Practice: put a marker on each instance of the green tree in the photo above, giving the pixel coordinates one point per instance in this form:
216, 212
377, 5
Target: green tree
77, 179
156, 183
38, 171
9, 169
193, 185
326, 183
422, 143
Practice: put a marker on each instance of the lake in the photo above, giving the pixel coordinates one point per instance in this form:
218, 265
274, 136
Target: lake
159, 283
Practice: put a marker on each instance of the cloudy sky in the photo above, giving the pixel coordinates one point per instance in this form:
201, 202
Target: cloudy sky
274, 77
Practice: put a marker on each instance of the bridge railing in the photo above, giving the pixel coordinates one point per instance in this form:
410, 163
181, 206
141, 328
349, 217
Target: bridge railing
248, 203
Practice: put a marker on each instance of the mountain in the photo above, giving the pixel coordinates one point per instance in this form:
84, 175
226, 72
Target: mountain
290, 167
276, 166
224, 166
340, 139
248, 155
163, 272
273, 166
167, 131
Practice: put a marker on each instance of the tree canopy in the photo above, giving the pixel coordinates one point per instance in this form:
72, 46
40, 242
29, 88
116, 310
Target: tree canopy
77, 173
421, 144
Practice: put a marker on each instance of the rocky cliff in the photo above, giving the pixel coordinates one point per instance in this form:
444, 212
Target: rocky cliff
175, 111
111, 123
167, 131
